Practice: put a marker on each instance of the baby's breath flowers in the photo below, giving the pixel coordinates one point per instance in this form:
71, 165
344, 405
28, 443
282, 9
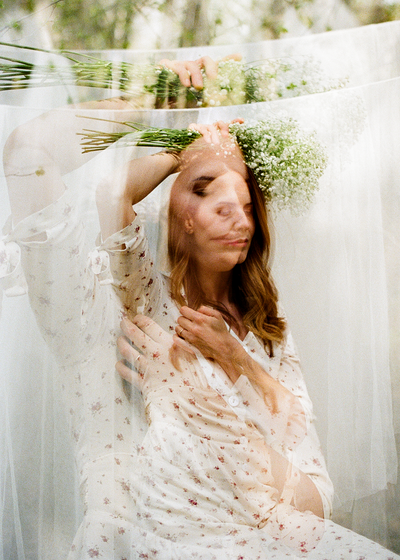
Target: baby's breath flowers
286, 161
151, 86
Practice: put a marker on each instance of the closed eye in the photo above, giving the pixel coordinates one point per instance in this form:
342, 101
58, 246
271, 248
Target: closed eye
225, 210
200, 184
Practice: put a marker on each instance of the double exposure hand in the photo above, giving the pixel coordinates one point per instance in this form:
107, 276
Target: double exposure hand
149, 352
190, 71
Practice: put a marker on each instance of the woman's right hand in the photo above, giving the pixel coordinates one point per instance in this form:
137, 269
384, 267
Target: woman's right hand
189, 71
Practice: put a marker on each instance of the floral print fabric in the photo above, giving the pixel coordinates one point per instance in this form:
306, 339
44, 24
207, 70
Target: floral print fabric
187, 470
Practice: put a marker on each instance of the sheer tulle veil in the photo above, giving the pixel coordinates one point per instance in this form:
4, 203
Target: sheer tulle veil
336, 268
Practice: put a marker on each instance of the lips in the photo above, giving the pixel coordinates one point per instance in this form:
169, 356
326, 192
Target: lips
240, 242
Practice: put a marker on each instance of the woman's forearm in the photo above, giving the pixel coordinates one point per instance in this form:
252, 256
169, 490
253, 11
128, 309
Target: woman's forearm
129, 185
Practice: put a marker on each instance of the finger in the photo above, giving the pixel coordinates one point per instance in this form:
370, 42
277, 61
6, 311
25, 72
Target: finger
132, 376
179, 330
196, 76
179, 69
183, 345
204, 131
129, 353
190, 314
223, 127
126, 372
209, 65
215, 134
153, 330
234, 56
138, 337
210, 311
184, 327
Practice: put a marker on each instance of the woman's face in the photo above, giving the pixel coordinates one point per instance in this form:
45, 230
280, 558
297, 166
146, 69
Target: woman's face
220, 222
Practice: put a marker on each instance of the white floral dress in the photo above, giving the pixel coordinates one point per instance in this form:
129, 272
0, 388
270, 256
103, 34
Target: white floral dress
186, 470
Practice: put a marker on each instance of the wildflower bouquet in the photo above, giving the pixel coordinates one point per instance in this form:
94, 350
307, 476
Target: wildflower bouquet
286, 161
151, 86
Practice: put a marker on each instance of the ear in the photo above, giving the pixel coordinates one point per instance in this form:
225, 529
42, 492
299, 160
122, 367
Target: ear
188, 225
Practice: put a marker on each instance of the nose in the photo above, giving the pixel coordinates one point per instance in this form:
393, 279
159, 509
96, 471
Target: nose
244, 220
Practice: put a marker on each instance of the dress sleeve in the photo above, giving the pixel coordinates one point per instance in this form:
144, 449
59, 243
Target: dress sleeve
47, 255
132, 271
298, 443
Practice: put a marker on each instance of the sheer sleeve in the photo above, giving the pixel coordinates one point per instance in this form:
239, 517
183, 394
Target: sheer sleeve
132, 271
48, 258
284, 432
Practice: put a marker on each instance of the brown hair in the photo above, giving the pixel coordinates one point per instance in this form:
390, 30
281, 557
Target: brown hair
253, 290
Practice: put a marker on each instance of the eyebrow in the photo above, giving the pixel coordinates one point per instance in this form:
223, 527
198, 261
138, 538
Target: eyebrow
204, 179
200, 184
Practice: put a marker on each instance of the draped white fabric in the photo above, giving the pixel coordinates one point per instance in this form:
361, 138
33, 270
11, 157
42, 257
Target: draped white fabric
336, 268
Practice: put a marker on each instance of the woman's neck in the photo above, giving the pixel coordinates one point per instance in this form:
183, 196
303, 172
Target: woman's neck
216, 286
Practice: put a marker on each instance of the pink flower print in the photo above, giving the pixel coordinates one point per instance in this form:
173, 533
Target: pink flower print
74, 251
192, 501
104, 538
316, 461
121, 530
96, 407
120, 437
125, 486
118, 400
106, 501
303, 545
94, 552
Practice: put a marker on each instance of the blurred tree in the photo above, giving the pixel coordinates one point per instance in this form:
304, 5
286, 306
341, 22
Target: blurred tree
120, 24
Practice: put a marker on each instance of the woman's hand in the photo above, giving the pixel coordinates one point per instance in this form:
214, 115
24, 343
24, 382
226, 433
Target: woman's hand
153, 353
216, 133
205, 329
189, 71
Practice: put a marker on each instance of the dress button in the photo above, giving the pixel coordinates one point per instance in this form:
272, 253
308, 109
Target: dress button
233, 400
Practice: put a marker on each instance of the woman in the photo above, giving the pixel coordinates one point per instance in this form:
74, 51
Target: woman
232, 461
240, 472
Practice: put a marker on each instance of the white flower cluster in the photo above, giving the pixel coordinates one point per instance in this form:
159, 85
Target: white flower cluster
150, 86
286, 161
228, 88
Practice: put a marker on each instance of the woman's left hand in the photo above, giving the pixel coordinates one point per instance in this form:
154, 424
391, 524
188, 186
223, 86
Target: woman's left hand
205, 329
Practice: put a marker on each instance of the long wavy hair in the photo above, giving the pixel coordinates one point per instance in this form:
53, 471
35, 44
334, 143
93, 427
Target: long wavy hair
252, 288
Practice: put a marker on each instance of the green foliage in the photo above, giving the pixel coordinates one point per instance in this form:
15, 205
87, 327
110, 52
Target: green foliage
108, 24
84, 24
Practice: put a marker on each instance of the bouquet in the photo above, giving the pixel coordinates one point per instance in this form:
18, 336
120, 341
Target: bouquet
286, 161
151, 86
